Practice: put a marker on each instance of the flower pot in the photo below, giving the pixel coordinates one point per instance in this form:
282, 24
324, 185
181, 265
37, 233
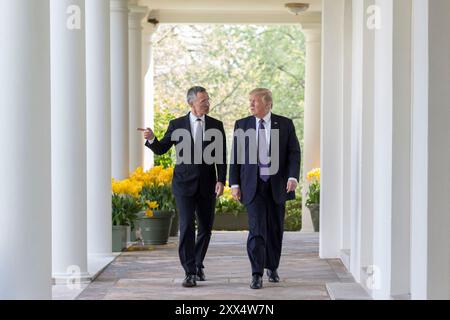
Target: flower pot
156, 229
231, 221
175, 226
315, 216
119, 238
128, 234
133, 230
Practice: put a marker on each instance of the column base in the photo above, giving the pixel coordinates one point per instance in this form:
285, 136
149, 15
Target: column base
345, 258
97, 263
71, 279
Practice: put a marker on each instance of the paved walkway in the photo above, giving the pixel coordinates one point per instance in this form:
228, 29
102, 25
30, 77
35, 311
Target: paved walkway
157, 273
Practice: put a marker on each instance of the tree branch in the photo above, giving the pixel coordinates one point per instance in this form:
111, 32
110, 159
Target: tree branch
281, 68
166, 35
228, 95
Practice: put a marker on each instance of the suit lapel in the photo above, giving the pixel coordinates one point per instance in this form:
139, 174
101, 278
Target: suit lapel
187, 126
207, 123
274, 125
207, 127
251, 124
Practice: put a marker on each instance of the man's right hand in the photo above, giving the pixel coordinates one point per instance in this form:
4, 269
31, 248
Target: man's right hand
148, 133
236, 193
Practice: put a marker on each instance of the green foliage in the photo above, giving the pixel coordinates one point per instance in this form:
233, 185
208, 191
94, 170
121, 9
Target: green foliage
161, 194
228, 205
293, 218
230, 61
313, 194
124, 210
162, 119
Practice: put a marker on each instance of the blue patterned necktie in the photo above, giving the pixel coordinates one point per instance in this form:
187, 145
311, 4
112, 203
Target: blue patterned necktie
263, 153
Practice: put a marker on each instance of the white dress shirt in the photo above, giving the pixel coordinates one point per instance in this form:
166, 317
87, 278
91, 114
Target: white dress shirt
193, 120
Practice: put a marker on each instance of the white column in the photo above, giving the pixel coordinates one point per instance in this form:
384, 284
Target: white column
419, 162
347, 168
331, 128
149, 88
392, 114
69, 197
401, 152
358, 18
311, 148
119, 90
430, 223
362, 140
136, 86
367, 140
98, 102
25, 191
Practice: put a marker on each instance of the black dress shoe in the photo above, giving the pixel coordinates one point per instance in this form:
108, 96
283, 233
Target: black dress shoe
200, 275
273, 276
257, 282
189, 281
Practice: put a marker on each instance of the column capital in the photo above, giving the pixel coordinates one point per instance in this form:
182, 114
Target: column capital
312, 31
135, 16
148, 29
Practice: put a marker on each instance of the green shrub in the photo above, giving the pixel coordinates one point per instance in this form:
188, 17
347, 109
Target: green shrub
161, 194
125, 209
162, 120
226, 205
293, 218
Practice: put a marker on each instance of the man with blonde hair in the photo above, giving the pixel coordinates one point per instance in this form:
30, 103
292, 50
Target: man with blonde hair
265, 185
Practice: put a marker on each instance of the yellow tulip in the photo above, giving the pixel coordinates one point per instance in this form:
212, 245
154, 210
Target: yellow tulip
313, 174
152, 204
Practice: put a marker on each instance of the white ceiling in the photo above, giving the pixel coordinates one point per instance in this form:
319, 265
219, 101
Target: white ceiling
227, 5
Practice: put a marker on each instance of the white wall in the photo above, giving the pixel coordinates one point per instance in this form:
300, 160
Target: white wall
439, 151
430, 250
401, 153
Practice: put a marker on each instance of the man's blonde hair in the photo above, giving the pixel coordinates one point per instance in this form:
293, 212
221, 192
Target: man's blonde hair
264, 93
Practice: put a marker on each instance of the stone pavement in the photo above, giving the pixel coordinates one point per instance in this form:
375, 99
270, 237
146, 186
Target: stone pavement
157, 273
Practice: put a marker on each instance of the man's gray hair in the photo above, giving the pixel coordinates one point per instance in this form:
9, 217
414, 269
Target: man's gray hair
192, 93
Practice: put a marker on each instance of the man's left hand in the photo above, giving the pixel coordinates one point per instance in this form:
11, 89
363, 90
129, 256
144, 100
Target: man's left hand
291, 186
219, 189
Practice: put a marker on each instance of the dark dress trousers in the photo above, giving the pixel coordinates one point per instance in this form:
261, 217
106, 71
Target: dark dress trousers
193, 186
265, 200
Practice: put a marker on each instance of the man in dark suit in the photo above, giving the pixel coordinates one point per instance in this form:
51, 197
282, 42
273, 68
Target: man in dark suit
196, 183
264, 185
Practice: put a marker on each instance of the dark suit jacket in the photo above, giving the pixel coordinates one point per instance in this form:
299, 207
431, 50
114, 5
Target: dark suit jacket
246, 175
189, 178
